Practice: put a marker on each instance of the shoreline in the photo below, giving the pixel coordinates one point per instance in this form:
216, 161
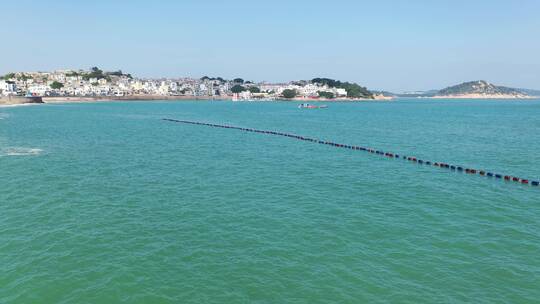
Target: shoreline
74, 99
133, 98
81, 99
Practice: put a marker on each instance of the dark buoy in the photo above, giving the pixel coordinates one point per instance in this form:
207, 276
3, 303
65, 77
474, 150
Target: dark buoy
370, 150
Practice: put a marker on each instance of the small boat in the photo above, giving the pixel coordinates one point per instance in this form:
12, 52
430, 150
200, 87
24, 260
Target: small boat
310, 106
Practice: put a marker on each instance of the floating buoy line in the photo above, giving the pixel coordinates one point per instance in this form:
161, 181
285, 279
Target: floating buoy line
372, 151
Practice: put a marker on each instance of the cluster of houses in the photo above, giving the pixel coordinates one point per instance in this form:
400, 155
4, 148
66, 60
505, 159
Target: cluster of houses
81, 83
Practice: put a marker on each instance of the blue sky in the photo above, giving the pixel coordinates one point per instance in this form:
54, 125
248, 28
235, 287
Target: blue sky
394, 45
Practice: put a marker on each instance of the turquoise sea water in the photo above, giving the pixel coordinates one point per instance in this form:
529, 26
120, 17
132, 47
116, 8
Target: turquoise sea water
107, 203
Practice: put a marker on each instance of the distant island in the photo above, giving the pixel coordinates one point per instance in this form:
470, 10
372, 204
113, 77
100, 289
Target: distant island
479, 89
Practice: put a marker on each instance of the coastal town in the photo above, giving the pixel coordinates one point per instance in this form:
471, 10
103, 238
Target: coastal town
95, 84
98, 84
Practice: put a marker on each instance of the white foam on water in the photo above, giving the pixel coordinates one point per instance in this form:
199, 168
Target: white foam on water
18, 105
20, 151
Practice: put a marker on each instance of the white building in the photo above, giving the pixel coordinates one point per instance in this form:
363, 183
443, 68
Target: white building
246, 95
310, 90
163, 88
173, 86
8, 88
340, 92
269, 87
39, 90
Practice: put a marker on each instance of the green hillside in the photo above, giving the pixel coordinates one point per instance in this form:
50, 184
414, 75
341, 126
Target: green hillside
479, 87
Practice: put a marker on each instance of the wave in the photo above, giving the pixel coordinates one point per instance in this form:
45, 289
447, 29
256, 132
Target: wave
20, 151
4, 116
18, 105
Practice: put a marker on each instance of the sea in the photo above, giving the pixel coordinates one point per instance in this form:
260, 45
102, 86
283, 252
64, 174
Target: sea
108, 203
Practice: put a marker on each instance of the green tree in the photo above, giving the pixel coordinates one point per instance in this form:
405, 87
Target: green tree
116, 73
57, 85
356, 91
9, 76
288, 93
254, 89
95, 72
24, 77
327, 81
238, 80
238, 89
328, 95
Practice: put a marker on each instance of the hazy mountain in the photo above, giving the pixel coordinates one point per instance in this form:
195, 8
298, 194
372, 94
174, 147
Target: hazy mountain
531, 92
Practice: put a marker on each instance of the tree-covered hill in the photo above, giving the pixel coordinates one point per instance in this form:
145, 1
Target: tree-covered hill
479, 87
353, 90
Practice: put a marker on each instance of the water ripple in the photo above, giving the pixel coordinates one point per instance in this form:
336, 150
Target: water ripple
131, 210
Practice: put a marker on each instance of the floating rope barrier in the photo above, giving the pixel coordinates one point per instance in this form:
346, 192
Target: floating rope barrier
372, 151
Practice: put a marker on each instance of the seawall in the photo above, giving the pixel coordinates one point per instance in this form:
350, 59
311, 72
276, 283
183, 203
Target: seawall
10, 100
